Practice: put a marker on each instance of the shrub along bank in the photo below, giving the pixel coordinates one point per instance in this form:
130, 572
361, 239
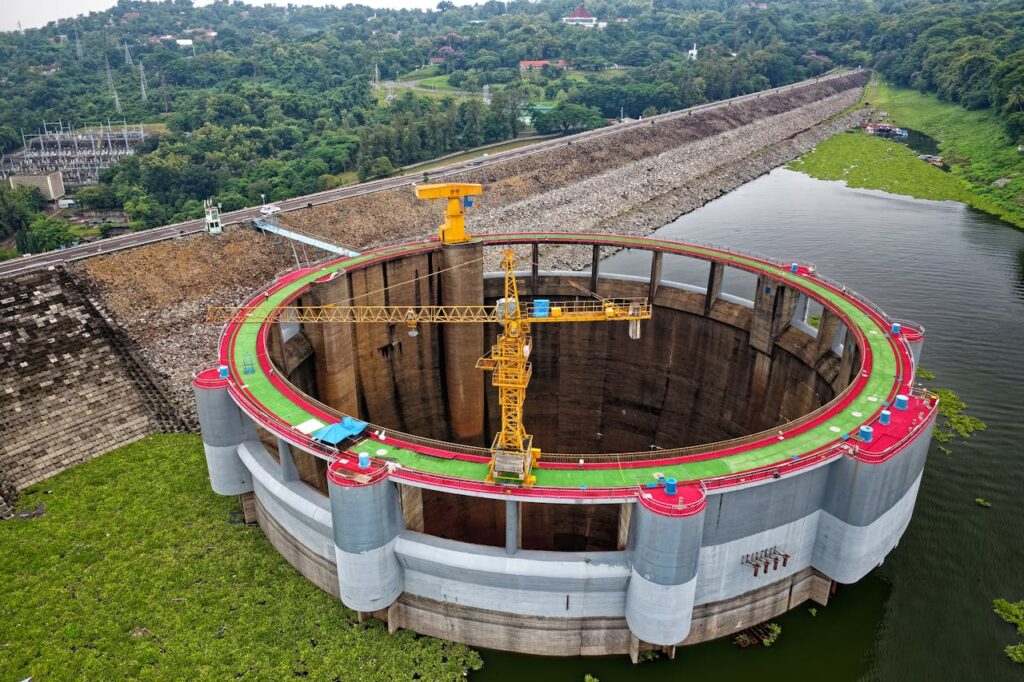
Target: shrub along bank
137, 571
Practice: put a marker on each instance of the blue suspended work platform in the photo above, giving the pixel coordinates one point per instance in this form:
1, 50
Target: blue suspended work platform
332, 434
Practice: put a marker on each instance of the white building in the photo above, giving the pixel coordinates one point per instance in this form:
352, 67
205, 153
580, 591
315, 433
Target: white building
50, 184
580, 17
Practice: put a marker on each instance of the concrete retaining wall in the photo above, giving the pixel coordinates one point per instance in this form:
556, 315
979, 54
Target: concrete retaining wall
568, 603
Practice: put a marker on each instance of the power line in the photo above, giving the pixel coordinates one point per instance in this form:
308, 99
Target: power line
163, 89
78, 43
416, 279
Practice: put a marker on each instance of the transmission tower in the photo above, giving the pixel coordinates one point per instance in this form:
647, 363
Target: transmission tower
163, 89
128, 55
142, 80
376, 77
110, 84
78, 43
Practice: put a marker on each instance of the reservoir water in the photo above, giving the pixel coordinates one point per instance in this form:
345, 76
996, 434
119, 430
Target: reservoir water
926, 613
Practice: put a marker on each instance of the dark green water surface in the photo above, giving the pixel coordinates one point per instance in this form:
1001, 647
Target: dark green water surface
925, 614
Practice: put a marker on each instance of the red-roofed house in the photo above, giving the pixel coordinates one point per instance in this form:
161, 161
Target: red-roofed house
580, 17
538, 64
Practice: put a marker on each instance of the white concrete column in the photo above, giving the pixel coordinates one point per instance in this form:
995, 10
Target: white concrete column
511, 526
284, 452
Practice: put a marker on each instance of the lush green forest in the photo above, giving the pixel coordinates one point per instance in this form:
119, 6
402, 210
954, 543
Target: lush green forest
281, 101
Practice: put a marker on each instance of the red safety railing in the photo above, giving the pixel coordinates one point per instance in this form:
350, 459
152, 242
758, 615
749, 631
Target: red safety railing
432, 446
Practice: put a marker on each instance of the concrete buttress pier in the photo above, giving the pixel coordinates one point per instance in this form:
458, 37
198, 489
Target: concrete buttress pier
664, 548
462, 283
773, 309
366, 520
224, 428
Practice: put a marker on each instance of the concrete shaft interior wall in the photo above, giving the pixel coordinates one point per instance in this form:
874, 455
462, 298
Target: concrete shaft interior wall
546, 527
694, 376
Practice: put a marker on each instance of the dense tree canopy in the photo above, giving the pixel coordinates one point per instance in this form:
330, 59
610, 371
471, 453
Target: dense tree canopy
280, 101
567, 118
968, 53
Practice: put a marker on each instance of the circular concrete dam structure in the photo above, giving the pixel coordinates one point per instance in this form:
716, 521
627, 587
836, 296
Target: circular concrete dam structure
732, 463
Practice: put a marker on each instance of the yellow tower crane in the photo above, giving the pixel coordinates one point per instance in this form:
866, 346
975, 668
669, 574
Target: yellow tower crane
512, 453
453, 230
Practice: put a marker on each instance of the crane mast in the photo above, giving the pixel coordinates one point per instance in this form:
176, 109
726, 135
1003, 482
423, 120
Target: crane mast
513, 454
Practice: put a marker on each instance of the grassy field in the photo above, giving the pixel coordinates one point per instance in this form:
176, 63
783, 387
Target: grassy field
425, 72
436, 83
138, 571
973, 143
457, 95
82, 230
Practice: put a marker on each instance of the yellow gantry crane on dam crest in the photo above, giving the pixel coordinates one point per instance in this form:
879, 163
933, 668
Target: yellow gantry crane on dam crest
512, 453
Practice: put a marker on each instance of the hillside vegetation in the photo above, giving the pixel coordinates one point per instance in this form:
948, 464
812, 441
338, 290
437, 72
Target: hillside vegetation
986, 170
975, 144
264, 103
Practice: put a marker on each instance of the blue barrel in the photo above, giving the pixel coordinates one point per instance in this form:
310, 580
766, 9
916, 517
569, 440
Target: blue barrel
902, 402
885, 418
364, 460
670, 487
895, 328
542, 308
795, 267
222, 371
866, 433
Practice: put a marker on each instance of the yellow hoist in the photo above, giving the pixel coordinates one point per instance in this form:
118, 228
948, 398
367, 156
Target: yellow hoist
512, 453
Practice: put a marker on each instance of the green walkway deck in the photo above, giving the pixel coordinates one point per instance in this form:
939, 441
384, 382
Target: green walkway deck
883, 379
